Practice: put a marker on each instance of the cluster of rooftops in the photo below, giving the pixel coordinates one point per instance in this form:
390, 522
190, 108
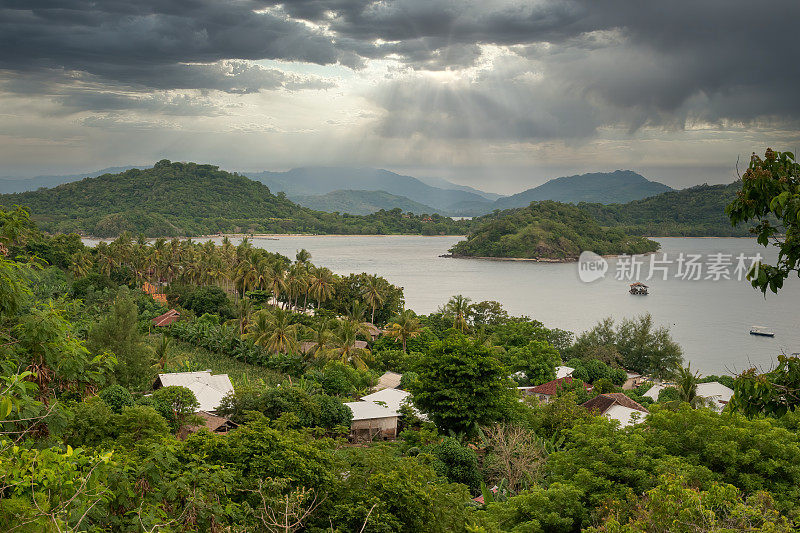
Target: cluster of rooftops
376, 415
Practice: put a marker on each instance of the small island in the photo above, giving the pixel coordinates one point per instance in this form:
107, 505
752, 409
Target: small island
546, 231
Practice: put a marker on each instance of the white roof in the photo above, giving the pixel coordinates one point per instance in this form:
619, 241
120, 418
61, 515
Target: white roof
392, 398
713, 390
563, 371
208, 389
389, 380
653, 392
624, 415
716, 391
370, 411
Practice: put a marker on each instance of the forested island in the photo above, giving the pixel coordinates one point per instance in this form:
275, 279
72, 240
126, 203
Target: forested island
96, 438
190, 199
546, 231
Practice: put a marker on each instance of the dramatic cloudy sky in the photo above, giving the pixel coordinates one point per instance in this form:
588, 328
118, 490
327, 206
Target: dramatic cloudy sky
501, 94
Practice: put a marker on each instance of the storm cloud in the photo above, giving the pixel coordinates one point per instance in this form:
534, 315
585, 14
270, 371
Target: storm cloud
508, 71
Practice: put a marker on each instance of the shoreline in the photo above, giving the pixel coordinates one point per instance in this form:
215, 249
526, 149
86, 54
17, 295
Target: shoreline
534, 259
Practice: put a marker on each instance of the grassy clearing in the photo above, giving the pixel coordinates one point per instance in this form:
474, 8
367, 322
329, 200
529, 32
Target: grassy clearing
185, 357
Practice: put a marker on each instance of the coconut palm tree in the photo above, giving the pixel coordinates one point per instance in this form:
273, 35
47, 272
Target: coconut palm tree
686, 384
273, 331
275, 280
346, 349
457, 308
164, 356
322, 335
322, 285
374, 293
81, 264
403, 327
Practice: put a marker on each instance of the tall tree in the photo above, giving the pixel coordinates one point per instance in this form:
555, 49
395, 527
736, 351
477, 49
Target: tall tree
457, 309
462, 386
118, 333
403, 327
771, 191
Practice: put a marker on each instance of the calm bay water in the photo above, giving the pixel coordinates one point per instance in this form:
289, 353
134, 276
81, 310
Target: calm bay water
710, 319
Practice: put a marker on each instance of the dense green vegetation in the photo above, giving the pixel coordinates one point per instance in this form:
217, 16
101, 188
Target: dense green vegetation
546, 230
184, 199
86, 445
693, 212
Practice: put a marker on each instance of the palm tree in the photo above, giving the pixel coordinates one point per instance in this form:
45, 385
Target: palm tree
162, 352
458, 309
403, 327
303, 257
322, 285
322, 336
373, 293
356, 311
295, 283
346, 338
275, 280
243, 309
273, 331
81, 264
687, 387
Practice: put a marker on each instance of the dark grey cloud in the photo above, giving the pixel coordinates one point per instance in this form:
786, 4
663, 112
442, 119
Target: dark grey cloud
605, 62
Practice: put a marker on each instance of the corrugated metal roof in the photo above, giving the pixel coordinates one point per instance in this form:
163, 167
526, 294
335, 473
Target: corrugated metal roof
208, 389
393, 398
563, 371
389, 380
625, 415
370, 411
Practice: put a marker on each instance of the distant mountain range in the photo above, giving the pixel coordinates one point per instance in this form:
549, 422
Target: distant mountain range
367, 190
12, 185
361, 202
313, 181
181, 199
618, 187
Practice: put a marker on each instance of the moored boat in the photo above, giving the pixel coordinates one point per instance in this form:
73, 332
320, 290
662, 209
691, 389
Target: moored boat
761, 331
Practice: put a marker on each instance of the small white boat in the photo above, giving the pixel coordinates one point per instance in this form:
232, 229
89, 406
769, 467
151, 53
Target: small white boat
762, 331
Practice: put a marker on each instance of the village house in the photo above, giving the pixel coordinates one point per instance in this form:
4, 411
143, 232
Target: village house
633, 380
717, 394
617, 406
389, 380
211, 422
563, 371
207, 388
374, 331
393, 399
546, 391
170, 317
372, 421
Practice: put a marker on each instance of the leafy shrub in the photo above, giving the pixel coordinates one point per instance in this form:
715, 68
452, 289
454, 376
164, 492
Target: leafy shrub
457, 463
116, 397
209, 299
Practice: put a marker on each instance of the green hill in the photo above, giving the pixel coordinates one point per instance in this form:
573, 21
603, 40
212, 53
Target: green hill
361, 202
177, 199
546, 231
694, 212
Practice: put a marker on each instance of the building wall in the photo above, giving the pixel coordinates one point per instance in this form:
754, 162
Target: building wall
374, 428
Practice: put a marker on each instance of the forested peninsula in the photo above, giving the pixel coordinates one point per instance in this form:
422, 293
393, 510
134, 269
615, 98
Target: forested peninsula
546, 231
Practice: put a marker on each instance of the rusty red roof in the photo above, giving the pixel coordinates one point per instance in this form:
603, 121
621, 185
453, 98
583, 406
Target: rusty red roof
603, 402
166, 319
551, 387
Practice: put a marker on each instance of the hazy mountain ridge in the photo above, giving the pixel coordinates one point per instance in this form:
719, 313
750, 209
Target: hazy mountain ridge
618, 187
306, 181
361, 202
10, 185
185, 199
